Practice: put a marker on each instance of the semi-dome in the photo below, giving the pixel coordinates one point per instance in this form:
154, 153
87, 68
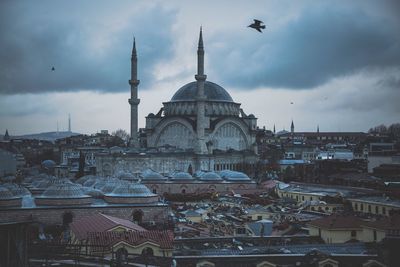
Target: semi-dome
213, 92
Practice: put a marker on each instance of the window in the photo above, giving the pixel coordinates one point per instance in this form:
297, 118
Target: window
383, 210
310, 198
362, 207
319, 232
302, 198
376, 210
355, 206
369, 208
353, 233
259, 217
375, 235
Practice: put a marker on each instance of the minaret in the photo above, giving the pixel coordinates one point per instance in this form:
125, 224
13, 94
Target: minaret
200, 77
6, 136
69, 122
134, 100
292, 128
318, 128
274, 128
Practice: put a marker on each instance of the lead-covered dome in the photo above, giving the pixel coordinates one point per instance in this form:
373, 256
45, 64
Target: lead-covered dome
64, 193
132, 190
234, 175
64, 190
209, 176
213, 92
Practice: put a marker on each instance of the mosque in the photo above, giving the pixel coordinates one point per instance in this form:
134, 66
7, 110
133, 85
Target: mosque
200, 129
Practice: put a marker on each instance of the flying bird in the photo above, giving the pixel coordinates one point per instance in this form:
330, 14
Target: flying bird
53, 69
291, 103
257, 25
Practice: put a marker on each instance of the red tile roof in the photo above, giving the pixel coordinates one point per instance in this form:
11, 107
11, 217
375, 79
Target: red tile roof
391, 223
100, 223
337, 222
107, 239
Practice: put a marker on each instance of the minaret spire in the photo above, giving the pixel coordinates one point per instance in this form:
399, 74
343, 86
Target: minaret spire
201, 45
134, 100
292, 127
201, 122
69, 122
134, 47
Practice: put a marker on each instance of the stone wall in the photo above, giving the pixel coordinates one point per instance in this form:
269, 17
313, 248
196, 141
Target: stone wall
157, 213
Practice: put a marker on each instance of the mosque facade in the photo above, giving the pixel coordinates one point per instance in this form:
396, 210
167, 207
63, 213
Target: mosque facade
201, 128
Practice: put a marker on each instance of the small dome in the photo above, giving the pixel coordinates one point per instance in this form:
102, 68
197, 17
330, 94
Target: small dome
110, 185
152, 175
46, 182
209, 176
5, 193
124, 175
234, 175
17, 190
83, 179
213, 92
64, 190
48, 164
93, 192
181, 176
91, 181
132, 190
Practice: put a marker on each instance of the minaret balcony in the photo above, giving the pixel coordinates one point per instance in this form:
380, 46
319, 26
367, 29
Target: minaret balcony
134, 82
133, 101
200, 77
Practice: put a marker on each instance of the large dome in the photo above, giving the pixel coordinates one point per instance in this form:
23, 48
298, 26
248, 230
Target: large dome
213, 92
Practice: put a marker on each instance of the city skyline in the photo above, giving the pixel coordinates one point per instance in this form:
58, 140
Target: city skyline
336, 66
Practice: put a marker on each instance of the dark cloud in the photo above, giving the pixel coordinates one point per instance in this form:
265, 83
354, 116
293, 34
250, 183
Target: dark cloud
321, 44
87, 51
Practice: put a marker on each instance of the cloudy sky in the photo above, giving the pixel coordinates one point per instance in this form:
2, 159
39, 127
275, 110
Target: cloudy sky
338, 62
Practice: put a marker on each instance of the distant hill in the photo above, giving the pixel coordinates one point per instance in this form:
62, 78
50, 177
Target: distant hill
48, 136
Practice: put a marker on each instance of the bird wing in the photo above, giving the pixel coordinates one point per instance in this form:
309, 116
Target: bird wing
258, 21
258, 29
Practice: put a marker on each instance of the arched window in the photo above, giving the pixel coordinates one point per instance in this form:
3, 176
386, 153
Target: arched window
122, 255
67, 217
137, 216
147, 252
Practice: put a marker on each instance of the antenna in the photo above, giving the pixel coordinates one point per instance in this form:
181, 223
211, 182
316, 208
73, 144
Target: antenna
69, 122
57, 127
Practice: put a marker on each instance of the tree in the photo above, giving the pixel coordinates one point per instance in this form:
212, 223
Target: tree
381, 129
394, 130
121, 134
81, 170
